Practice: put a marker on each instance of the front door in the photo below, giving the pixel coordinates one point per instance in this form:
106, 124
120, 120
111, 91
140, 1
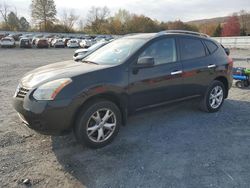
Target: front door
159, 83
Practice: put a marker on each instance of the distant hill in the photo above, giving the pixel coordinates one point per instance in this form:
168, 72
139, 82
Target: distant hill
209, 21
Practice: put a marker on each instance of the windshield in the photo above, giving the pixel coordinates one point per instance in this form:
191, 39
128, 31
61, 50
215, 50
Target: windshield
6, 40
115, 52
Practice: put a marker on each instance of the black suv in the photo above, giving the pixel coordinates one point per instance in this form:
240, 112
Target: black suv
94, 96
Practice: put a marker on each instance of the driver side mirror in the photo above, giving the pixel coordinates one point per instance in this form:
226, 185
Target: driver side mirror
145, 62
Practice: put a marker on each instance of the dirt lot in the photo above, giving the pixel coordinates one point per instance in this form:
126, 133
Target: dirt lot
173, 146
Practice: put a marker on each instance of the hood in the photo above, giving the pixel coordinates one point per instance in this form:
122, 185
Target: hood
67, 69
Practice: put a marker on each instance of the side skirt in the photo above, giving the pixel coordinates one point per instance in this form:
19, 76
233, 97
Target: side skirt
167, 102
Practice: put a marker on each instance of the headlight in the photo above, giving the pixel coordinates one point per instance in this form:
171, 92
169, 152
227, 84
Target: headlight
48, 91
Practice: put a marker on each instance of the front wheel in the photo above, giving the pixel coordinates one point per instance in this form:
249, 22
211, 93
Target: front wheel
214, 97
98, 124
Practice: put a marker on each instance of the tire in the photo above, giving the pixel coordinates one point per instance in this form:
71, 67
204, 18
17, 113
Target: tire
239, 84
210, 103
88, 126
246, 83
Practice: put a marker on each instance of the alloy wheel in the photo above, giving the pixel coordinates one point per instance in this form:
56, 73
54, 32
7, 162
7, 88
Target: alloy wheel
216, 97
101, 125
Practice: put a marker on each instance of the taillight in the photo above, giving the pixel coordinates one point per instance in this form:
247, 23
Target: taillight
230, 61
230, 64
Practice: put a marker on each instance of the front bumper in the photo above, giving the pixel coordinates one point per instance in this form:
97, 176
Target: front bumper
46, 117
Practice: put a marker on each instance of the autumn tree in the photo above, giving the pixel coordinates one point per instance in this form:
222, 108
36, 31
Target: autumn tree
207, 28
244, 18
217, 32
23, 24
142, 24
4, 11
231, 27
179, 25
13, 22
97, 19
123, 16
68, 20
43, 13
119, 23
115, 26
81, 25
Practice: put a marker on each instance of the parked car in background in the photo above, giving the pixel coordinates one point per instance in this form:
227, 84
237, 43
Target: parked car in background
16, 37
50, 40
82, 53
28, 36
73, 43
65, 40
42, 43
129, 74
25, 43
2, 35
86, 43
36, 38
8, 42
58, 43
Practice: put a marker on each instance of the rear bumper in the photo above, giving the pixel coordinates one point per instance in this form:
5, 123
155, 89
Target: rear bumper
46, 117
7, 46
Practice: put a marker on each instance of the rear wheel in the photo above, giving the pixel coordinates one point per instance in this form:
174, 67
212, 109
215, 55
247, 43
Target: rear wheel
98, 124
214, 97
246, 83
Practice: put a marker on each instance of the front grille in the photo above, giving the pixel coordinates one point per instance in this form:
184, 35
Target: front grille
21, 92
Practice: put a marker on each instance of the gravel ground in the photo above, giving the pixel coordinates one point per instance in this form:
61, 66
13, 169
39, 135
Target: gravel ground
173, 146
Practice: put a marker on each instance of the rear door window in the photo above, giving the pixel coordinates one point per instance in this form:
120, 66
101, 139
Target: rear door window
191, 48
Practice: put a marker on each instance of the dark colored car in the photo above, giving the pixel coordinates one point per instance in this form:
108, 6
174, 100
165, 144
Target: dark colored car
42, 43
94, 97
25, 43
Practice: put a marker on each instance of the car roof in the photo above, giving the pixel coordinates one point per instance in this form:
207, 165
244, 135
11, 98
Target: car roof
149, 36
140, 36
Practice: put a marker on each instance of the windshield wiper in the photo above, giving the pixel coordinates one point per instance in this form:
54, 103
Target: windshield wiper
90, 62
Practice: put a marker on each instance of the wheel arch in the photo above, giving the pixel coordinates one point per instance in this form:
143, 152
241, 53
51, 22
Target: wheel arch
119, 99
225, 83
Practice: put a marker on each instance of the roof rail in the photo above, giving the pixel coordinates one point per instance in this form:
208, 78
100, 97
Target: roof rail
183, 32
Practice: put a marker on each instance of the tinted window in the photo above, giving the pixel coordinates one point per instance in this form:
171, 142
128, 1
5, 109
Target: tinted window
211, 46
191, 48
163, 51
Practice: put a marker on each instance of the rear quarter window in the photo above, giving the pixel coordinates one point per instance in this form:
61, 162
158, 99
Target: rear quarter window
211, 46
191, 48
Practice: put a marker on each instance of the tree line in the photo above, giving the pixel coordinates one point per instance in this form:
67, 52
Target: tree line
100, 21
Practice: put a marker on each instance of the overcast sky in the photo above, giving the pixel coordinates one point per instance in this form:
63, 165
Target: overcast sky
162, 10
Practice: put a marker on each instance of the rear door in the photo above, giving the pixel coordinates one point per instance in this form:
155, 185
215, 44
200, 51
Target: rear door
197, 65
159, 83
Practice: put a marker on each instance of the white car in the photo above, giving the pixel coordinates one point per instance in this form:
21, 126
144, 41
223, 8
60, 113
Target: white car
73, 43
8, 42
58, 43
86, 43
81, 53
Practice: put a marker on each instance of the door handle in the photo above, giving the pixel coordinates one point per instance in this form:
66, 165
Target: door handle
211, 66
176, 72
